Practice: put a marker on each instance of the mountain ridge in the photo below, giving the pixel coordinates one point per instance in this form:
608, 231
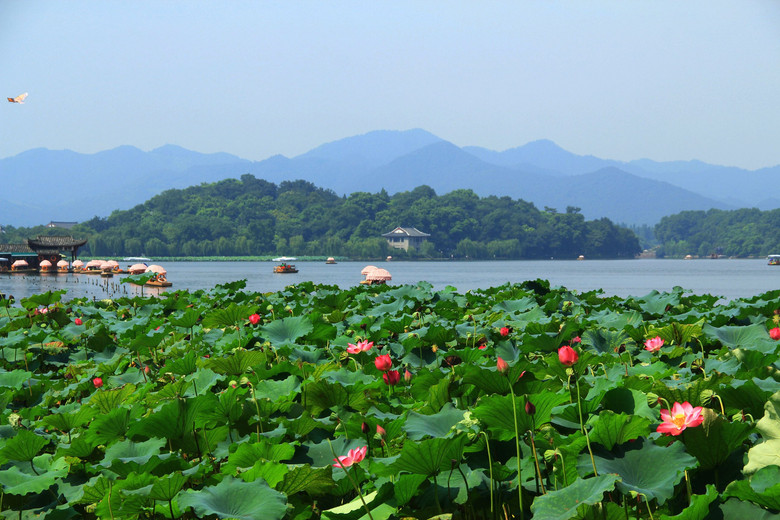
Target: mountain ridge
74, 186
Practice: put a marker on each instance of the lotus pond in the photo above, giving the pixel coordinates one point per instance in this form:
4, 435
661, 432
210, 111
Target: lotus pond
519, 401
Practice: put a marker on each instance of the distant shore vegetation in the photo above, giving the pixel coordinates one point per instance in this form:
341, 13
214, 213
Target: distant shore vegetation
253, 217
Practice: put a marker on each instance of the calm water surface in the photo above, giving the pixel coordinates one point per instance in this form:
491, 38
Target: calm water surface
728, 279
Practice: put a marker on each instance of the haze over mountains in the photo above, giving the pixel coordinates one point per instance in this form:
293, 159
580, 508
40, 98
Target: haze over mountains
41, 185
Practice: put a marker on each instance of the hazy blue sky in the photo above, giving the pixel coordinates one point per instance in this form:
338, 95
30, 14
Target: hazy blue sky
662, 79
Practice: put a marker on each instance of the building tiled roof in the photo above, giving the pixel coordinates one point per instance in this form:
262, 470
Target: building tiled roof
15, 248
405, 232
55, 241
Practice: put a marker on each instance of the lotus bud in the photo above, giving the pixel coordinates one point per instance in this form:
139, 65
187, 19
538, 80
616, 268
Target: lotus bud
530, 409
502, 366
364, 428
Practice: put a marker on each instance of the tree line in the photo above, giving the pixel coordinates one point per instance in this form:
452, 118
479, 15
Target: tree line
250, 216
741, 232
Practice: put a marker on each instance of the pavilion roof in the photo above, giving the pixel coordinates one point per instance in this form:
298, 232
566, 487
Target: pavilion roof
44, 241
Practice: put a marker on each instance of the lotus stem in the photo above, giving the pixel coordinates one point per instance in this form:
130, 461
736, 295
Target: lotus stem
688, 486
351, 480
585, 430
722, 411
490, 467
517, 446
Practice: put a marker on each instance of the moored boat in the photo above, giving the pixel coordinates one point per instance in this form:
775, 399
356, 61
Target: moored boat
330, 260
160, 279
773, 260
46, 267
285, 268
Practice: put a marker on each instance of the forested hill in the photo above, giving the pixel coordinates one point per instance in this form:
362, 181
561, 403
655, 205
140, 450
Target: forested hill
255, 217
741, 232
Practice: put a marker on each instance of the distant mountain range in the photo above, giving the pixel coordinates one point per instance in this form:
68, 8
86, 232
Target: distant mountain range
41, 185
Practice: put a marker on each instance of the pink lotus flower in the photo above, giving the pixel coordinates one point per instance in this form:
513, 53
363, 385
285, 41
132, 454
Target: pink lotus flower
567, 355
682, 416
78, 321
383, 362
576, 339
352, 457
654, 344
391, 377
407, 376
254, 319
380, 431
504, 331
362, 346
98, 382
502, 366
775, 333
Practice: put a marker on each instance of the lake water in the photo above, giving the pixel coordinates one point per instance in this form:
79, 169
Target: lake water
726, 278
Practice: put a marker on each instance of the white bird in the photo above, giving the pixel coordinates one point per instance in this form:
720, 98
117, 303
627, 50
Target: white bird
18, 99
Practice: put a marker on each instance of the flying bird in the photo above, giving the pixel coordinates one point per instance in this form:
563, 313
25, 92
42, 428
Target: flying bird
18, 99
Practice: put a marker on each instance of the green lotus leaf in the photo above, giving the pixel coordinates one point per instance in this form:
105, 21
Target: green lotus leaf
699, 509
766, 453
287, 330
762, 489
496, 412
175, 419
769, 424
167, 487
238, 363
345, 378
655, 303
42, 299
14, 379
628, 401
749, 337
20, 481
314, 481
429, 456
737, 509
649, 469
407, 485
128, 451
183, 365
605, 340
610, 429
14, 339
563, 503
232, 316
248, 453
271, 472
439, 424
679, 333
200, 381
236, 499
108, 427
379, 503
24, 446
104, 401
63, 420
187, 320
715, 439
322, 395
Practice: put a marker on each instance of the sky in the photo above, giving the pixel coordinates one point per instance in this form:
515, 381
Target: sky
662, 79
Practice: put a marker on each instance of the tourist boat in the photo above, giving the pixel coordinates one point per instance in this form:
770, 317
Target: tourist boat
46, 267
78, 266
285, 268
93, 267
375, 275
63, 266
22, 267
159, 279
330, 260
137, 268
773, 259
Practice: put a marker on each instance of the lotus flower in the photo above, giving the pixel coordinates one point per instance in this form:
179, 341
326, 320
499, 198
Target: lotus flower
502, 366
567, 355
654, 344
98, 382
683, 416
391, 377
78, 321
353, 456
383, 362
362, 346
504, 331
775, 333
254, 319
